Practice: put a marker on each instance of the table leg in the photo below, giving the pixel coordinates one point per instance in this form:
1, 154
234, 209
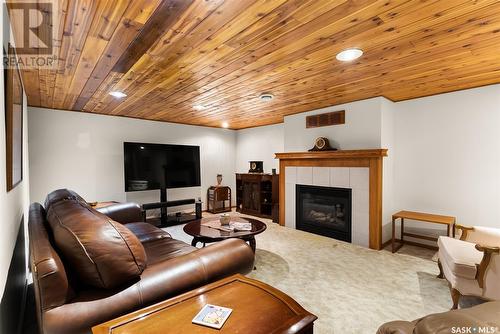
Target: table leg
252, 243
393, 235
402, 230
194, 242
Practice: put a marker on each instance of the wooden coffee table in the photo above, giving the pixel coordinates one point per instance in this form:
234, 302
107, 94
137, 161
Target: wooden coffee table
257, 308
205, 234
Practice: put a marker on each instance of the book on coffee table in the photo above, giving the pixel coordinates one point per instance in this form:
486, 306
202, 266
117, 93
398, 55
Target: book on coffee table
233, 226
212, 316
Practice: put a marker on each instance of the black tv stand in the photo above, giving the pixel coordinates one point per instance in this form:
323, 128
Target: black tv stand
165, 220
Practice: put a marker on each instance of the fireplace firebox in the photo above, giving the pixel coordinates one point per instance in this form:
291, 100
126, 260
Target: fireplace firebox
324, 210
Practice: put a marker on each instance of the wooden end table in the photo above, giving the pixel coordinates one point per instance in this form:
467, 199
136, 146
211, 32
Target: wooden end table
205, 234
258, 308
217, 197
449, 221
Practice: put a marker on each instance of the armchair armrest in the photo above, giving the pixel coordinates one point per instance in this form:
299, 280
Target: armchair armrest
486, 236
123, 212
464, 231
488, 252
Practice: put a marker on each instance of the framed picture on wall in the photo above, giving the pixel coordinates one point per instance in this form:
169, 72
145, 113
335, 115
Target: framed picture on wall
13, 123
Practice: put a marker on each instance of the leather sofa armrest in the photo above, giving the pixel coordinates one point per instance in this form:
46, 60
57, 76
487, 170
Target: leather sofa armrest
123, 212
397, 327
205, 265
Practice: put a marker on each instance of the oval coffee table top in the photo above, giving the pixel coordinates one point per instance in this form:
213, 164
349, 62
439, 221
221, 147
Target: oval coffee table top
197, 230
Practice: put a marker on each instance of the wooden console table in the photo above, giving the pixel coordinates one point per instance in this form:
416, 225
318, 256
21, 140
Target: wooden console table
449, 221
257, 307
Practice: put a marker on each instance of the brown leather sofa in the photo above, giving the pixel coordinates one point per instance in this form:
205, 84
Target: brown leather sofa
484, 318
131, 264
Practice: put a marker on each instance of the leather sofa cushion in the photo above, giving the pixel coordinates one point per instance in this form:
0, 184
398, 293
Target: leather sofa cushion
460, 256
147, 232
102, 252
165, 249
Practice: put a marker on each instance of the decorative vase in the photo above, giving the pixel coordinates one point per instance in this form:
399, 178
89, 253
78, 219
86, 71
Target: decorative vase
225, 219
219, 179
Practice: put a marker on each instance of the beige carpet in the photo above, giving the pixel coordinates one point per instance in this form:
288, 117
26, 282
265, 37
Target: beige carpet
351, 289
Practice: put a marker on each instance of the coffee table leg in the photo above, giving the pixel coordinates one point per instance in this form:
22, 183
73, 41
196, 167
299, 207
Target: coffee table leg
194, 242
252, 244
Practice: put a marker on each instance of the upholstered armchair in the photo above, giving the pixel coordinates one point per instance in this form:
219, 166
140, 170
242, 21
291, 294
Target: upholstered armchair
471, 264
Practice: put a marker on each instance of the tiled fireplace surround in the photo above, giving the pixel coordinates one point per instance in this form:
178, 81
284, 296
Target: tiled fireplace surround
359, 170
355, 178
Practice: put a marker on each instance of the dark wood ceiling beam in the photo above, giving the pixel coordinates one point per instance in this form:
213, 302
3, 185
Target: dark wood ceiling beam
131, 41
130, 26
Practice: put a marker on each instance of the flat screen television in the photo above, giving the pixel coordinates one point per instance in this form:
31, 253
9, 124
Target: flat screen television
159, 166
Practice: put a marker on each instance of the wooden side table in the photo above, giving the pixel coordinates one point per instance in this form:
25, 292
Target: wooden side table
258, 308
217, 197
449, 221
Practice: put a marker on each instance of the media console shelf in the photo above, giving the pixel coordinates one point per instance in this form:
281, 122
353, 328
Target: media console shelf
167, 220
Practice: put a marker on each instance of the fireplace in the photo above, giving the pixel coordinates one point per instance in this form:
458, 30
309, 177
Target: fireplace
324, 211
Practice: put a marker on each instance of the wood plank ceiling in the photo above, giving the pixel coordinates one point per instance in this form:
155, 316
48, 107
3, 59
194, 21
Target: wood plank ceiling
220, 55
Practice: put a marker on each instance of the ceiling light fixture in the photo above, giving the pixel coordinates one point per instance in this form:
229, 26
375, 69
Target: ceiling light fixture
117, 94
225, 125
266, 97
349, 54
199, 107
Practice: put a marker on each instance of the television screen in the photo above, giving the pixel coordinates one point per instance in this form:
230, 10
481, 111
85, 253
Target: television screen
158, 166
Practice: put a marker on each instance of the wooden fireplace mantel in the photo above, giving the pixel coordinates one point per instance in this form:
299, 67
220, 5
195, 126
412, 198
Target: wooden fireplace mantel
371, 158
342, 154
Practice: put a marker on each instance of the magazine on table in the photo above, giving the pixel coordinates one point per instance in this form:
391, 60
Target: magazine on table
233, 226
212, 316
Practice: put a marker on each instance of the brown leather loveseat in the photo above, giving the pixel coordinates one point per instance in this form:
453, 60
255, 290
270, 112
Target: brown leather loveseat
89, 266
483, 318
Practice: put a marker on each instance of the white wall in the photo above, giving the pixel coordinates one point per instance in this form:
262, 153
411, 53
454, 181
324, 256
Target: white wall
13, 204
360, 131
260, 143
84, 152
443, 151
447, 155
387, 140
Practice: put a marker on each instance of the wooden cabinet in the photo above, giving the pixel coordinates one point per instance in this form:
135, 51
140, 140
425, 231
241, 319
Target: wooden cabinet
258, 195
218, 199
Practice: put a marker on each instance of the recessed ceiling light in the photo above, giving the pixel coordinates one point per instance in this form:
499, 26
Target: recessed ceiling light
142, 147
199, 107
349, 54
117, 94
225, 125
266, 97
